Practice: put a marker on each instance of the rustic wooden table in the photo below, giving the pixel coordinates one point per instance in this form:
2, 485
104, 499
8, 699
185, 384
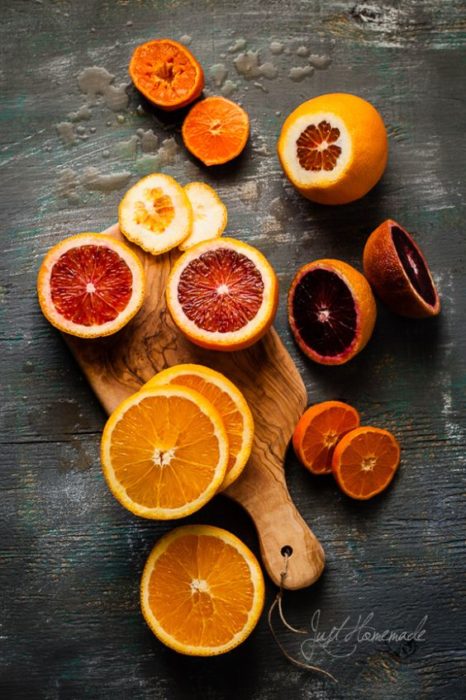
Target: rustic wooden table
71, 556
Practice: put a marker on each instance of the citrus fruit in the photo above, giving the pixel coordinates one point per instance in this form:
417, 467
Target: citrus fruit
398, 272
164, 452
215, 130
155, 214
333, 148
227, 399
365, 461
202, 590
318, 431
167, 73
331, 310
90, 285
222, 294
209, 214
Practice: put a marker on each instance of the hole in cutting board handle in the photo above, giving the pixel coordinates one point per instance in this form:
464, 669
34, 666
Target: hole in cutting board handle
286, 551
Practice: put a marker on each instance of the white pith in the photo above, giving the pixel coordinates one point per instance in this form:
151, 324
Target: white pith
209, 214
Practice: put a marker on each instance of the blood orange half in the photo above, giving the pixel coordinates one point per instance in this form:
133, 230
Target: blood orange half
223, 294
331, 310
90, 285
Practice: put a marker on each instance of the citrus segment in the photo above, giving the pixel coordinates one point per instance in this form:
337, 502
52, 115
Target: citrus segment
319, 430
164, 452
215, 130
222, 294
155, 214
331, 310
399, 273
365, 461
333, 148
227, 399
90, 285
202, 590
209, 214
167, 73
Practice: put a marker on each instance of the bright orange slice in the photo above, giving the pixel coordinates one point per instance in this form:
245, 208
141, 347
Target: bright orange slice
216, 130
222, 294
164, 452
167, 73
202, 590
334, 148
156, 214
209, 214
318, 431
227, 399
365, 461
90, 285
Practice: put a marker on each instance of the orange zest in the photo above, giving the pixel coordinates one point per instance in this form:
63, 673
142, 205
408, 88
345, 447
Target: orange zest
166, 73
365, 461
215, 130
318, 431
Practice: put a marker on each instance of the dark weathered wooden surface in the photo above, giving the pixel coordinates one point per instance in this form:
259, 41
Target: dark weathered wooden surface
71, 557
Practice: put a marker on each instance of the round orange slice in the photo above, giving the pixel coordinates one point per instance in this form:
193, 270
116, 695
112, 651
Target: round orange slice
209, 214
222, 294
227, 399
164, 452
202, 590
334, 148
90, 285
156, 214
167, 73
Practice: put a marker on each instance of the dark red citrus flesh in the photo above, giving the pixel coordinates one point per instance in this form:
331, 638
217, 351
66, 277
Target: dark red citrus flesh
90, 285
414, 265
221, 290
324, 312
315, 147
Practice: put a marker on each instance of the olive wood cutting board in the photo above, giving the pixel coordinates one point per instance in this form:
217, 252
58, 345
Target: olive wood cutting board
117, 366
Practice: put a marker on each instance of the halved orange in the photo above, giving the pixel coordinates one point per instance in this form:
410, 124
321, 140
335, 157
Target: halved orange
164, 452
156, 214
227, 399
318, 431
202, 590
209, 214
167, 73
222, 294
365, 461
216, 130
334, 148
90, 285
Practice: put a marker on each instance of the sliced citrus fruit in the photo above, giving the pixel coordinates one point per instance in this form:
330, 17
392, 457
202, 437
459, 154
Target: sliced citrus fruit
331, 310
202, 590
227, 399
90, 285
399, 273
209, 214
167, 73
318, 431
164, 452
334, 148
365, 461
156, 214
222, 294
215, 130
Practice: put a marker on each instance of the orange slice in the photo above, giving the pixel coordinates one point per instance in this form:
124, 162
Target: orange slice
209, 214
222, 294
167, 73
90, 285
164, 452
318, 431
334, 148
365, 461
155, 214
227, 399
216, 130
202, 590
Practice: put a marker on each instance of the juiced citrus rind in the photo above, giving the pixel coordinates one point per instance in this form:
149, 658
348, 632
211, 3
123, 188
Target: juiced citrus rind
210, 215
